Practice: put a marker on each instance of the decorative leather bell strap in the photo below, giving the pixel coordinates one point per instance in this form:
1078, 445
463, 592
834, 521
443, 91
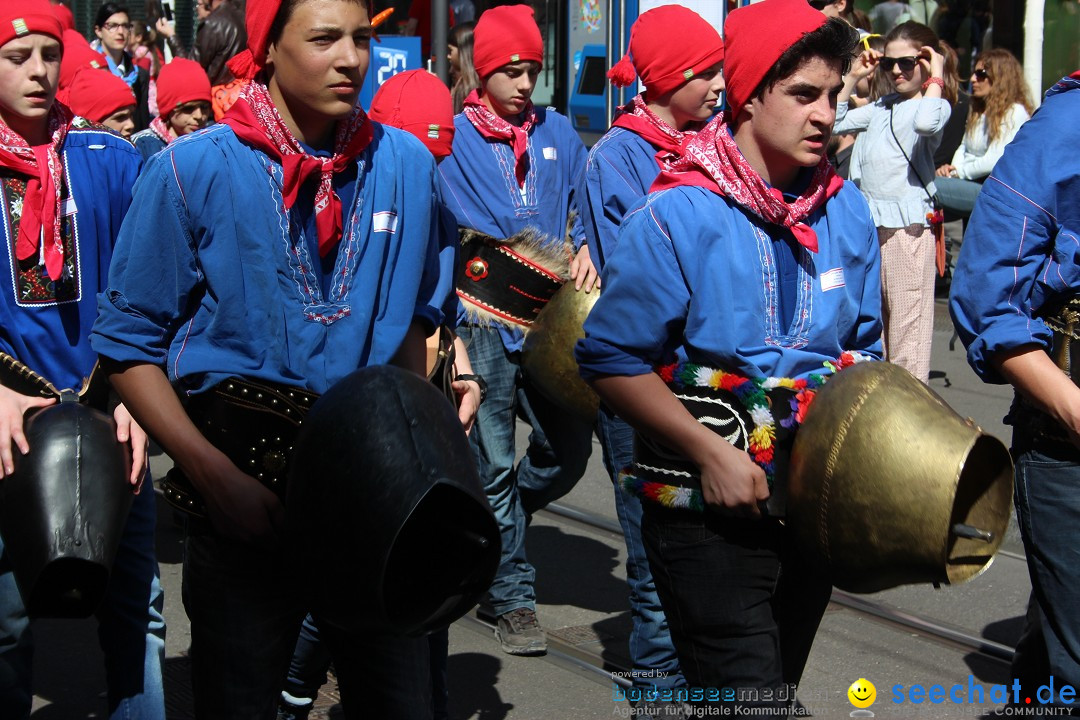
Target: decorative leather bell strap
663, 476
508, 282
16, 376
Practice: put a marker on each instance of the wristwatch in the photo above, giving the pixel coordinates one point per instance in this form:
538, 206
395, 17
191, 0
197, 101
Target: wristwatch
478, 380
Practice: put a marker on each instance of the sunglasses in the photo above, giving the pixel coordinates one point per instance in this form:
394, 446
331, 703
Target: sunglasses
906, 64
819, 4
981, 75
866, 40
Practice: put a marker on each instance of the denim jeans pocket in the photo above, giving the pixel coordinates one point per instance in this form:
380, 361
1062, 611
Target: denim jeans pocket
1046, 495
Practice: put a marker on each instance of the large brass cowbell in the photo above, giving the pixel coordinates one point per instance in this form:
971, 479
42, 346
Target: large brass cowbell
886, 480
547, 357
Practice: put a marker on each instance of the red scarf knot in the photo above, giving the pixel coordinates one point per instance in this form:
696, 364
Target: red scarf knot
256, 121
712, 160
669, 142
494, 127
45, 179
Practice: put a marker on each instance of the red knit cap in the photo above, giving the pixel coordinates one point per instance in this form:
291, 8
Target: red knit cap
419, 103
258, 17
668, 46
77, 54
23, 17
505, 35
95, 95
756, 36
181, 81
63, 14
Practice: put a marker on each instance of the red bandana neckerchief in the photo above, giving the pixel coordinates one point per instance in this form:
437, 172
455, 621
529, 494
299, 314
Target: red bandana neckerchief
256, 121
637, 117
161, 129
491, 125
712, 160
41, 205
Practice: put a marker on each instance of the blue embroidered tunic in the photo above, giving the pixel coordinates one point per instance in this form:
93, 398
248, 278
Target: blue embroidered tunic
46, 324
620, 169
480, 189
1022, 246
212, 278
679, 289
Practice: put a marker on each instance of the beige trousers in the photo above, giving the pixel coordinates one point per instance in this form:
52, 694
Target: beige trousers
907, 296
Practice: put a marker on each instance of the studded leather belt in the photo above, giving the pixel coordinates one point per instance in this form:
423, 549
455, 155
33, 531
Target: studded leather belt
254, 423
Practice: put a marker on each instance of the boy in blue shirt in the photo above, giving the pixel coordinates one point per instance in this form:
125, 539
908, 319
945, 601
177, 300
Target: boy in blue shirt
1015, 286
514, 169
782, 279
65, 187
683, 82
285, 247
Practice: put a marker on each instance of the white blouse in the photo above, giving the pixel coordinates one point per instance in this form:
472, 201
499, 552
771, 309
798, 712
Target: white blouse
976, 156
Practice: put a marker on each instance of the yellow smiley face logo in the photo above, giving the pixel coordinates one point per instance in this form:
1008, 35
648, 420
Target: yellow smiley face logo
862, 693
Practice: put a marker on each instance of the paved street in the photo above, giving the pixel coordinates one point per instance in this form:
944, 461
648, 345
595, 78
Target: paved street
582, 597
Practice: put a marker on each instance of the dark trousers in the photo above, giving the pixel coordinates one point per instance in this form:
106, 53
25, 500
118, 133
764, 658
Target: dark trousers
743, 609
246, 606
311, 661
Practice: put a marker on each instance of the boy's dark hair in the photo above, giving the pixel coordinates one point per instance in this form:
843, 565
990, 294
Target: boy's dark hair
833, 42
107, 10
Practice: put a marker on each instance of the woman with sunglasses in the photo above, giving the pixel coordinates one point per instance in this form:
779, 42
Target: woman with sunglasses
894, 168
112, 25
999, 106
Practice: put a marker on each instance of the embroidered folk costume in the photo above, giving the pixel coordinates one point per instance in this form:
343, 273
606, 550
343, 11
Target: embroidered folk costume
514, 178
61, 208
621, 167
740, 319
283, 265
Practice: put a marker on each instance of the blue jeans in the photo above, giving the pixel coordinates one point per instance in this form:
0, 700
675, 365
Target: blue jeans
311, 661
743, 607
131, 628
956, 194
1047, 494
559, 447
246, 606
651, 649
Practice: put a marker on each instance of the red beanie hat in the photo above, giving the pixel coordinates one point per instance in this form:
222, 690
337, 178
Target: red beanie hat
23, 17
95, 95
504, 35
63, 14
419, 103
77, 54
258, 17
756, 36
668, 46
181, 81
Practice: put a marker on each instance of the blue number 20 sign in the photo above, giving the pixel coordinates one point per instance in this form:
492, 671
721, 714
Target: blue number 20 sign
390, 55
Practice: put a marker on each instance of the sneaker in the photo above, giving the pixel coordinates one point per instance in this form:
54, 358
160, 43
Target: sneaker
293, 708
520, 634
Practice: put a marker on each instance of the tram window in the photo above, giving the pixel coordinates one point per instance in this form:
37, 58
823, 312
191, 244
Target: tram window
593, 76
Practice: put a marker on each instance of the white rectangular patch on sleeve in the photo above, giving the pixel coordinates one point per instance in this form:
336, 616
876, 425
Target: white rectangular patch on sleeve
832, 279
385, 221
67, 207
551, 153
